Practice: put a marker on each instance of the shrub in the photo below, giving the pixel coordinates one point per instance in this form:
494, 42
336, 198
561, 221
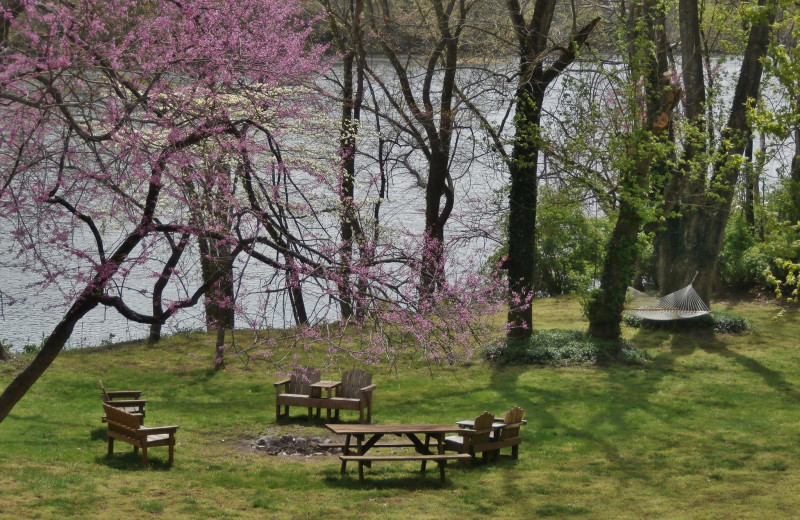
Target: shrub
742, 261
722, 322
559, 347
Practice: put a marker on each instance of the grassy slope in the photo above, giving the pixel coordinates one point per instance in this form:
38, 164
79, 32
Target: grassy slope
709, 429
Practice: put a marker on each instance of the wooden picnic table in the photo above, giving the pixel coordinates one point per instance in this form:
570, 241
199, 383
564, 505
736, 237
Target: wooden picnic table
367, 436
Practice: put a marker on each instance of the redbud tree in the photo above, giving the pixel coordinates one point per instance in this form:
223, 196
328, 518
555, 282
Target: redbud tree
132, 130
123, 125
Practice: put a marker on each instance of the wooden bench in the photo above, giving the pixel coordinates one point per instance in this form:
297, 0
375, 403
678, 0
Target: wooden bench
440, 459
127, 427
126, 400
353, 393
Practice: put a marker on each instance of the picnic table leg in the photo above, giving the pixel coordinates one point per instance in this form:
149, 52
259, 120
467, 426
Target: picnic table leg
427, 446
345, 451
111, 445
441, 470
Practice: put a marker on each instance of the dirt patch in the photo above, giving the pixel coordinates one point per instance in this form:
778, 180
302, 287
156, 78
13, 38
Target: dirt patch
293, 445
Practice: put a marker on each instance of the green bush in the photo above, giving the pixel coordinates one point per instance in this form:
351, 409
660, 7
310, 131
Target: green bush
721, 322
560, 347
743, 260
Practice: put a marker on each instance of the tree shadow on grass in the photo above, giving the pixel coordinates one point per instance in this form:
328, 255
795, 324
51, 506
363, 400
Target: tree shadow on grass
410, 479
618, 401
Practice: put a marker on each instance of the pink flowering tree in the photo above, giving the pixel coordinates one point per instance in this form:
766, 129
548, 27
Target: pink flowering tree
132, 133
126, 128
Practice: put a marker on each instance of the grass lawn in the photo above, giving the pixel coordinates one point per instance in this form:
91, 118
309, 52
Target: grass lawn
708, 429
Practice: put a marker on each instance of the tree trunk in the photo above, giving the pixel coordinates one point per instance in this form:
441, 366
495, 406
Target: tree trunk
605, 306
437, 213
794, 181
687, 183
709, 233
522, 211
532, 40
50, 349
348, 40
215, 262
347, 145
161, 284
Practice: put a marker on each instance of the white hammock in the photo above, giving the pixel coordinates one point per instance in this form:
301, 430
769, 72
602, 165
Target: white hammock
683, 303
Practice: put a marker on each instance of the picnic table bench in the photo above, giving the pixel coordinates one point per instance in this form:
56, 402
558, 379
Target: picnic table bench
368, 435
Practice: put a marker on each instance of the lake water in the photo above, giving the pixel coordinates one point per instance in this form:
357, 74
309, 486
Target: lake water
28, 323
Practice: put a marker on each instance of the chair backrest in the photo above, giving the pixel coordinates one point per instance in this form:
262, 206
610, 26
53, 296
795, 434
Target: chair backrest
513, 420
482, 427
103, 392
353, 381
301, 378
121, 417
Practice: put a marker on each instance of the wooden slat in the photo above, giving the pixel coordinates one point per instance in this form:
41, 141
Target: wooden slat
353, 381
391, 429
418, 457
301, 378
376, 445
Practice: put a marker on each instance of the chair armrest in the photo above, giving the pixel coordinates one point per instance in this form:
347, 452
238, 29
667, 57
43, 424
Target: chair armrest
133, 394
284, 382
157, 429
469, 432
127, 402
367, 389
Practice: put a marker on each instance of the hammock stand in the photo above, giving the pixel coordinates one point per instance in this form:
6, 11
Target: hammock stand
681, 304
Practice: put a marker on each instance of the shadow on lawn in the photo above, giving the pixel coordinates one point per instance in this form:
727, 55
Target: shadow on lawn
613, 411
411, 478
129, 461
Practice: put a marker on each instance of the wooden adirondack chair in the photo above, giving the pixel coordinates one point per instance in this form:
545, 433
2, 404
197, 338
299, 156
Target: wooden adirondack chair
295, 390
508, 434
127, 428
477, 439
126, 400
354, 393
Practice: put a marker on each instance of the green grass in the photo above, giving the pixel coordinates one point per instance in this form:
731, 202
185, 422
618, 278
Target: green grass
708, 428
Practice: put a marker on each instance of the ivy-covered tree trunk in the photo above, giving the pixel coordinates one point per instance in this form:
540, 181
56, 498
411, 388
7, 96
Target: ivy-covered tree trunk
535, 78
605, 306
522, 211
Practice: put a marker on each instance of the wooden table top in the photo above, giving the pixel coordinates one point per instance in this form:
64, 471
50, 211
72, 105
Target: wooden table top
399, 429
325, 384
